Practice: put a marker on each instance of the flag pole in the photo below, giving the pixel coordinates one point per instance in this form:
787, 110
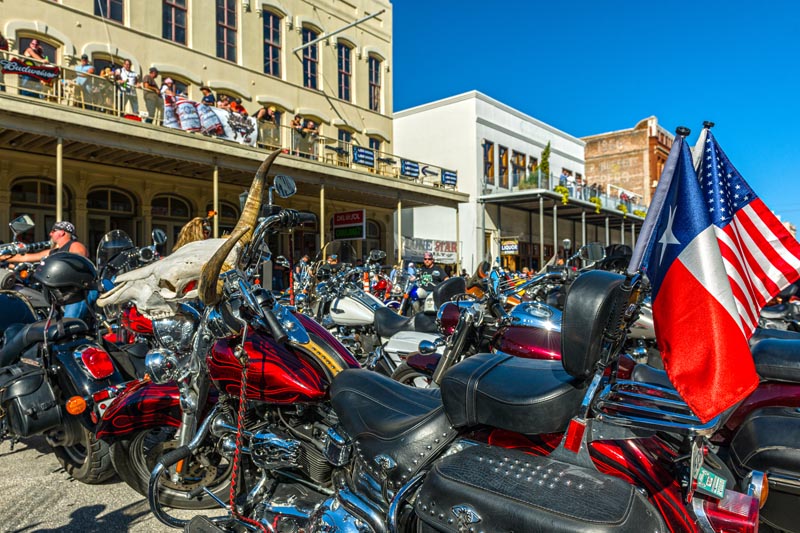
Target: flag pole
659, 198
699, 146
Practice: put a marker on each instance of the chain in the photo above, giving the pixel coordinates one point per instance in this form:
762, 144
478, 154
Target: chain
239, 423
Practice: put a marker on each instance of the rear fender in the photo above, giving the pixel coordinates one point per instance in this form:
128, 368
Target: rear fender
141, 405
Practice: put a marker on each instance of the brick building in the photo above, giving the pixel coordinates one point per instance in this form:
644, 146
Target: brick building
629, 160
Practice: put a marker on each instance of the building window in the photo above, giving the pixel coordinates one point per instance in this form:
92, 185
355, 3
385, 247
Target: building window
109, 9
517, 168
49, 52
488, 162
374, 83
345, 138
174, 20
227, 216
533, 164
310, 59
375, 144
170, 206
226, 29
345, 70
503, 157
272, 43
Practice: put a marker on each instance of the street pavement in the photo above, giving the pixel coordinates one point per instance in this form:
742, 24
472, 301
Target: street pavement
36, 495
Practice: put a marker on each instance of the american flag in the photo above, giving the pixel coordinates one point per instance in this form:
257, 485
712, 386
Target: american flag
714, 254
760, 256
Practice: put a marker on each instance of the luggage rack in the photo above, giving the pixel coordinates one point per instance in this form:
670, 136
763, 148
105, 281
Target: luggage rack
635, 404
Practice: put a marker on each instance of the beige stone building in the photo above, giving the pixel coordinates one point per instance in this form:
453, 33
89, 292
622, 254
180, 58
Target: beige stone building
96, 151
629, 160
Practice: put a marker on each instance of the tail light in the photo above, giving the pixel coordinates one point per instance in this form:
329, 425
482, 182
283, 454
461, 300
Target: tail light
96, 361
735, 513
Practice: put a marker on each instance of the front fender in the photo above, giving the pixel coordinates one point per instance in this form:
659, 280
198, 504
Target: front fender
141, 405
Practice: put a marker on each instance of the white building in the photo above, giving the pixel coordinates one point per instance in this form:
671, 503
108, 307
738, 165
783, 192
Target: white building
497, 151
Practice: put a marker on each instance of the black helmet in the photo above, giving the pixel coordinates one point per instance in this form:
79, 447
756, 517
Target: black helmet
65, 277
111, 244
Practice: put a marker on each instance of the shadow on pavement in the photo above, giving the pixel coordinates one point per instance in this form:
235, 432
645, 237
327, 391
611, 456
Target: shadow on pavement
87, 519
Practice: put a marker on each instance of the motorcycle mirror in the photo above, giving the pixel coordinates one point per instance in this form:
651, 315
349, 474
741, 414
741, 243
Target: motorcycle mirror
427, 347
282, 261
159, 236
21, 224
284, 186
376, 256
593, 252
567, 244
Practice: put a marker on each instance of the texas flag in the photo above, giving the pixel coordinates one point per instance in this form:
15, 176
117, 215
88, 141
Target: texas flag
715, 255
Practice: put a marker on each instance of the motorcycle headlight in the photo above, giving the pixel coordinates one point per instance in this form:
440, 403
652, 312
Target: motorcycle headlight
161, 365
174, 333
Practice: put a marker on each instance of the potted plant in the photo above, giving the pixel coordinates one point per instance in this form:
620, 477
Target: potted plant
597, 203
564, 192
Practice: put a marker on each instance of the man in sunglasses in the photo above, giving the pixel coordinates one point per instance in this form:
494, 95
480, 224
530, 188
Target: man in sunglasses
429, 274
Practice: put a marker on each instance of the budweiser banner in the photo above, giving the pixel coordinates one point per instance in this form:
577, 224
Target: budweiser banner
45, 73
195, 117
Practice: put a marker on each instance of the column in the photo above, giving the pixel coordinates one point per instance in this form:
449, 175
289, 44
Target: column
215, 206
541, 232
399, 230
60, 179
608, 234
583, 228
321, 216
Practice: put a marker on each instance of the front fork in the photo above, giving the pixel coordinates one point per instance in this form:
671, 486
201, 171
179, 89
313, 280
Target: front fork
193, 398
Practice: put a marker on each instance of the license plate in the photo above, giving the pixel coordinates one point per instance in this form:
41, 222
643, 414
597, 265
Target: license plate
710, 483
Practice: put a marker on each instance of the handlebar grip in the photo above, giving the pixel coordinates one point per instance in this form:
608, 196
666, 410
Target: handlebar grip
175, 455
35, 247
278, 332
497, 309
303, 217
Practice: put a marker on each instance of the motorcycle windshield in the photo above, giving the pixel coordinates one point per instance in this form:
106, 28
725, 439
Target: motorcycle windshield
112, 243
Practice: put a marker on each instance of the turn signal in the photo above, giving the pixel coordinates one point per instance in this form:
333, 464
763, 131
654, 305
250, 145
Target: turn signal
758, 486
96, 361
76, 405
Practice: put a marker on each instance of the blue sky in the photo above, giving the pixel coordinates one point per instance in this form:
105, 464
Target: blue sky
589, 67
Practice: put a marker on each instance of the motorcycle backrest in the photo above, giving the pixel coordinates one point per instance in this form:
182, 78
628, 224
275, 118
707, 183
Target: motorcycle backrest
593, 305
446, 290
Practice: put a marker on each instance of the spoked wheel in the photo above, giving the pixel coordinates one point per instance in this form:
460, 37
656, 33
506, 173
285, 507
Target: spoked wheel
84, 457
410, 376
135, 458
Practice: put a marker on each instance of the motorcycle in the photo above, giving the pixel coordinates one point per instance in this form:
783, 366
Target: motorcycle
50, 370
194, 369
20, 302
506, 444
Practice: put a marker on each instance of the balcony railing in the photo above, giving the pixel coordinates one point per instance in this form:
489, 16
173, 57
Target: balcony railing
102, 94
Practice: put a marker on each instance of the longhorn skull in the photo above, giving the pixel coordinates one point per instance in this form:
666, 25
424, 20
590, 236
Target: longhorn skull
157, 289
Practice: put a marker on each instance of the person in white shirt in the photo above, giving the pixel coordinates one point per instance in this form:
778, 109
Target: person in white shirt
128, 81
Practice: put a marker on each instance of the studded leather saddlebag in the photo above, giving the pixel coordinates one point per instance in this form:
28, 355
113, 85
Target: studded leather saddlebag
490, 489
27, 400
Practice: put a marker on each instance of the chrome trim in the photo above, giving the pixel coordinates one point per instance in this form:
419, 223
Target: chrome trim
702, 518
394, 507
630, 403
754, 483
360, 508
783, 479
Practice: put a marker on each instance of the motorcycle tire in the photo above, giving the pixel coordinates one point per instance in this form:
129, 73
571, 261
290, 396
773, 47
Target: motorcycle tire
411, 376
88, 460
135, 458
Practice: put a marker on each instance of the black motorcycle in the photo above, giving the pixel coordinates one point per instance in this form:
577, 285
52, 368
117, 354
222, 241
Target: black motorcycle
53, 374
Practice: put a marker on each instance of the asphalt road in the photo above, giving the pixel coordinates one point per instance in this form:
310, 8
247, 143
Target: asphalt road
36, 495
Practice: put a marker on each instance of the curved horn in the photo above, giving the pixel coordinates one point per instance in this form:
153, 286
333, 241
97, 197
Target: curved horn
209, 289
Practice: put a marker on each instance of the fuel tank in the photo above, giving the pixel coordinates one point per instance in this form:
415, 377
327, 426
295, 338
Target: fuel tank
534, 332
357, 308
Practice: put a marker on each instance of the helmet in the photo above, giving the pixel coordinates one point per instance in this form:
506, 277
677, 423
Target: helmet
65, 277
111, 244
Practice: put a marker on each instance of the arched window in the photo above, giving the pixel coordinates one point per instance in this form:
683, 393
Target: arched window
170, 213
345, 54
36, 197
373, 236
310, 59
375, 81
109, 209
228, 216
272, 43
49, 50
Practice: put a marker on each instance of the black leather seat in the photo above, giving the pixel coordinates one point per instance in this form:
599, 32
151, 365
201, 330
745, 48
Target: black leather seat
778, 359
768, 333
647, 374
34, 333
387, 323
384, 417
530, 396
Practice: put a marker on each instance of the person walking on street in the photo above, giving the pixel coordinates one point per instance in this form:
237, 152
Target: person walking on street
429, 274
